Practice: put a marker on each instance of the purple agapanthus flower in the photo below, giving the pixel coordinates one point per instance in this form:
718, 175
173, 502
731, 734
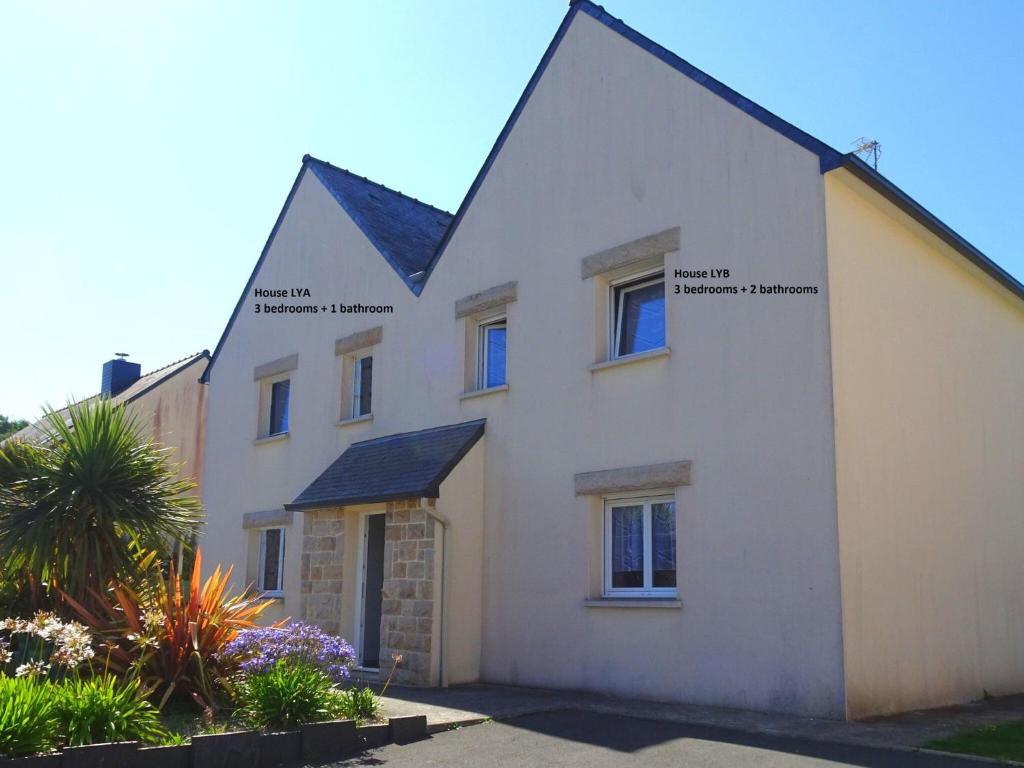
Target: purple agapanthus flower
261, 648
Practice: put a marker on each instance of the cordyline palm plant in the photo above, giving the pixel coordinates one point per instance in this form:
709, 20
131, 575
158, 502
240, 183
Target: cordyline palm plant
172, 638
78, 507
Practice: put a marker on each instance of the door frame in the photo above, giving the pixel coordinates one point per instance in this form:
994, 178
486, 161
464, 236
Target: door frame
360, 602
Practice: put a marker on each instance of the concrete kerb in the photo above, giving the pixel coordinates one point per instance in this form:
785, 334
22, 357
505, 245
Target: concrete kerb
315, 743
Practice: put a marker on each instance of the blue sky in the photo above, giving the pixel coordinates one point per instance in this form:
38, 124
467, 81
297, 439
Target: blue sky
146, 148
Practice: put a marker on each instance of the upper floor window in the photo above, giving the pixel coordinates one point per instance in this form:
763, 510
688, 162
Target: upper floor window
640, 547
491, 353
279, 392
270, 570
362, 386
638, 314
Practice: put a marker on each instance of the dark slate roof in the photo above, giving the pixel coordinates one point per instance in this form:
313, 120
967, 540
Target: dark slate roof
403, 466
413, 236
37, 432
404, 230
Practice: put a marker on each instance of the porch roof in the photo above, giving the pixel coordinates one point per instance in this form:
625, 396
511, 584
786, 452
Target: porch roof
401, 466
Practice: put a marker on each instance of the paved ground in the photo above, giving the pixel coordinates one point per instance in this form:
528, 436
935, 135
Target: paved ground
582, 739
475, 703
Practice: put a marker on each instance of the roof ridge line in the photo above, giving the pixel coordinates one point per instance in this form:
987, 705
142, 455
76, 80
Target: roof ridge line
180, 360
307, 157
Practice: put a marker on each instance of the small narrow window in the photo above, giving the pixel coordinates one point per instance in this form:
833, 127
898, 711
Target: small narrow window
279, 407
491, 354
362, 386
270, 578
640, 547
638, 315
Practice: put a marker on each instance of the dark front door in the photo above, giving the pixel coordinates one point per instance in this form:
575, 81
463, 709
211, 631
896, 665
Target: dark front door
373, 582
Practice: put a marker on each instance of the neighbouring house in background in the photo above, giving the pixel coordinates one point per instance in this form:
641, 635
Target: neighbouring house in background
548, 441
169, 404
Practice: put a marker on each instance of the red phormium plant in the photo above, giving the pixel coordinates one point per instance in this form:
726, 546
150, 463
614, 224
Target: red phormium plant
169, 638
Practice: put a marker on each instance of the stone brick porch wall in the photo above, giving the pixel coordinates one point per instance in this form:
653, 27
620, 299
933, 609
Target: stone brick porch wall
323, 548
407, 607
407, 612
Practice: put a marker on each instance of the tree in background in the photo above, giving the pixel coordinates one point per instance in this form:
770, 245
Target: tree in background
9, 426
78, 507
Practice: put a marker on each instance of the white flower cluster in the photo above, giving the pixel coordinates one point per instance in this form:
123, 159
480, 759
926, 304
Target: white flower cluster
69, 642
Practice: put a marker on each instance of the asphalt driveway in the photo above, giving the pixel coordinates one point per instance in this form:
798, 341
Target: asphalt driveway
581, 739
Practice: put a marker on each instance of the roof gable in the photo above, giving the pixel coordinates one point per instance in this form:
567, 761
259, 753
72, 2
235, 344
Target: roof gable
412, 236
829, 158
404, 230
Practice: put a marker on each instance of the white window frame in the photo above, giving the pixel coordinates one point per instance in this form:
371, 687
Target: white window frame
481, 349
357, 384
648, 533
656, 275
262, 561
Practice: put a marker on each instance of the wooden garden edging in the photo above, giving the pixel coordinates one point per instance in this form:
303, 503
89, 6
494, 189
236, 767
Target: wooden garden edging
313, 743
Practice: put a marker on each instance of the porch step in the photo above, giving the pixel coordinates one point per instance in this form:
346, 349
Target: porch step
364, 675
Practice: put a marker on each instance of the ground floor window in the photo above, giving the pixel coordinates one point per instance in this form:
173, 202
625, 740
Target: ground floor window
640, 547
270, 576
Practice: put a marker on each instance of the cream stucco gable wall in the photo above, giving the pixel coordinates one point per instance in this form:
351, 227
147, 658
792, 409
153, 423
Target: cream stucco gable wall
614, 145
928, 364
317, 246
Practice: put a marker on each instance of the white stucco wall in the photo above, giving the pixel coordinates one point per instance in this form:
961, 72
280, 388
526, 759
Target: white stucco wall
929, 369
613, 145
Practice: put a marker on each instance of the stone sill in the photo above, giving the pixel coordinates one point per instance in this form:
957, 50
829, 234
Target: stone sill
356, 420
634, 602
483, 392
628, 359
271, 438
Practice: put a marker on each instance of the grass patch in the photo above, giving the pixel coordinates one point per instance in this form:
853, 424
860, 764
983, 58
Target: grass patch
1000, 741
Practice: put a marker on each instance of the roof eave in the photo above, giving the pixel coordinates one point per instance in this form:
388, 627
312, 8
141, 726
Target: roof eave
429, 492
205, 378
931, 222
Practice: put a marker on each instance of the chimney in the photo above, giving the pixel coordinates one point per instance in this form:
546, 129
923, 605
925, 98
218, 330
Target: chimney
118, 375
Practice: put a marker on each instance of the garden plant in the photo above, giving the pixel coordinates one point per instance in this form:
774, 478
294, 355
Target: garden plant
78, 506
89, 519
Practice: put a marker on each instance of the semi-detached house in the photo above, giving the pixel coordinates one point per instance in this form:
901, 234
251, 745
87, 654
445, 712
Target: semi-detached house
558, 461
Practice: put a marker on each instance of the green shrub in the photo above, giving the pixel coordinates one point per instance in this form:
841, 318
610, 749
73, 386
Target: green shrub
359, 703
288, 694
28, 720
103, 709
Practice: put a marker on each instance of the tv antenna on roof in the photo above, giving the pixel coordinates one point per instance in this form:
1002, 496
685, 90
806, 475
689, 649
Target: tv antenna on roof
867, 149
121, 354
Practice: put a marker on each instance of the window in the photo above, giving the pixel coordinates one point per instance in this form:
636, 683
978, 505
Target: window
640, 547
270, 576
638, 314
362, 386
491, 353
279, 407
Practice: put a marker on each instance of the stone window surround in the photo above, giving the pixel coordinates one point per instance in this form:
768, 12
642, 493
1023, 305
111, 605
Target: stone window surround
354, 342
483, 301
634, 255
350, 348
478, 309
611, 266
276, 367
270, 518
644, 477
